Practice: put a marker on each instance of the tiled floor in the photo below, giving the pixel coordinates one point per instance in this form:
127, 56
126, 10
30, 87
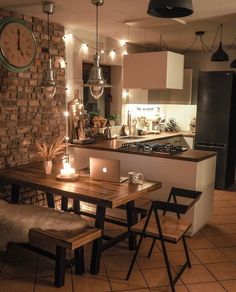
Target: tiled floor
213, 256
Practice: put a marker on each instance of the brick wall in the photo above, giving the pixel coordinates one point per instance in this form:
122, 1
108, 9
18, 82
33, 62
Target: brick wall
26, 114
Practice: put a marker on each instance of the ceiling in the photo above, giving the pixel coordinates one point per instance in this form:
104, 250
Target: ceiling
127, 19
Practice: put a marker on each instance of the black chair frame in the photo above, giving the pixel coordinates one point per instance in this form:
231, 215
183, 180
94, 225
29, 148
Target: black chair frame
179, 209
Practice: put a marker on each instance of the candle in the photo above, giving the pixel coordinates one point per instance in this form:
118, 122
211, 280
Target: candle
67, 171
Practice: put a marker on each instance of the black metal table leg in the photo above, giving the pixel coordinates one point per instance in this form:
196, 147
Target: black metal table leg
64, 203
76, 206
50, 200
60, 267
15, 194
97, 244
132, 218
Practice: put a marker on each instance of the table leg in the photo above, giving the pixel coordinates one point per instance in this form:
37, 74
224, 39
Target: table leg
76, 206
97, 244
64, 204
50, 200
132, 218
15, 194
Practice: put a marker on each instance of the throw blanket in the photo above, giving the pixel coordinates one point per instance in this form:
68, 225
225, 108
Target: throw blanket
17, 220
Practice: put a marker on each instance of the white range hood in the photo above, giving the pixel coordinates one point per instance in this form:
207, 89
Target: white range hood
155, 70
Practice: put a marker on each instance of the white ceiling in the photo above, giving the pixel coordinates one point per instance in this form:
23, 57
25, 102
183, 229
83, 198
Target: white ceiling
127, 19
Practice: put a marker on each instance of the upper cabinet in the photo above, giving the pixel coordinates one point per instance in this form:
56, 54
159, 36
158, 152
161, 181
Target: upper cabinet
173, 96
155, 70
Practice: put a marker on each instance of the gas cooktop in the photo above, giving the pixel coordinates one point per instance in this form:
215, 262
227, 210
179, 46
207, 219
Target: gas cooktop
151, 147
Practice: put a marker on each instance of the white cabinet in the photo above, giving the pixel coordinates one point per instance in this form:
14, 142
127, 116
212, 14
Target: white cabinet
137, 96
187, 142
172, 96
155, 70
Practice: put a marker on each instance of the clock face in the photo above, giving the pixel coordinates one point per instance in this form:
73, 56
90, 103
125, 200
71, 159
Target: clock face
17, 45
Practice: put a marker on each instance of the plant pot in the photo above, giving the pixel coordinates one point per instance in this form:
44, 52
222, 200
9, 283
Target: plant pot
112, 122
48, 167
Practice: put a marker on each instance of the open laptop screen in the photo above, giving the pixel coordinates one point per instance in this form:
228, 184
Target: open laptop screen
105, 169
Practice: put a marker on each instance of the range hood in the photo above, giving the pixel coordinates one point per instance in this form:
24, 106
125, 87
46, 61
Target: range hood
155, 70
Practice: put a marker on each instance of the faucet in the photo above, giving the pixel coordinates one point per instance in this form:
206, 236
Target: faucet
107, 133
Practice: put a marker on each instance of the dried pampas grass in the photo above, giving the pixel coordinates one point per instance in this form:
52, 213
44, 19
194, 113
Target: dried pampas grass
49, 152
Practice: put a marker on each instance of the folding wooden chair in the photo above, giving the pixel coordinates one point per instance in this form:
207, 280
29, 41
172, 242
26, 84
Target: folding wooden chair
167, 228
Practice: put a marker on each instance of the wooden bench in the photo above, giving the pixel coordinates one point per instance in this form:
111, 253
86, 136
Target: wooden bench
63, 240
50, 243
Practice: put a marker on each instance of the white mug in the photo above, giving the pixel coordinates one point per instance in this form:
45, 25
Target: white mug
135, 177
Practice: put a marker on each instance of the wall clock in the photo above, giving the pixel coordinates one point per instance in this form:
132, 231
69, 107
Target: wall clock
17, 45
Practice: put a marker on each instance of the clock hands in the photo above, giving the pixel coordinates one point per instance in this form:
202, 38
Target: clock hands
18, 43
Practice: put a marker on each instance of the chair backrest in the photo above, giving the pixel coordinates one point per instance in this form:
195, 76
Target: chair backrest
183, 193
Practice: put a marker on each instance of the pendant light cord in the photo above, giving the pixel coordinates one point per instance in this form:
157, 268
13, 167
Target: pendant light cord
48, 36
96, 28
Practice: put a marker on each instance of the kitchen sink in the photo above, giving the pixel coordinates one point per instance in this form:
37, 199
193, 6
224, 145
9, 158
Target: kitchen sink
130, 137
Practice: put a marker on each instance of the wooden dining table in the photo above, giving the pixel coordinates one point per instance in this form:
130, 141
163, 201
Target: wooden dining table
100, 193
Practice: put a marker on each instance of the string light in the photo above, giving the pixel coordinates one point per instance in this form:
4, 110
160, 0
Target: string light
113, 54
122, 42
84, 48
66, 113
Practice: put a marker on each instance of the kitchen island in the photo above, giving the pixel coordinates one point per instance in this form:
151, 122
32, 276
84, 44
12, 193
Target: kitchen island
191, 169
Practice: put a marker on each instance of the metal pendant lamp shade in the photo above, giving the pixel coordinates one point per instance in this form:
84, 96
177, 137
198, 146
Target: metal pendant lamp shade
233, 64
170, 8
96, 81
49, 82
220, 55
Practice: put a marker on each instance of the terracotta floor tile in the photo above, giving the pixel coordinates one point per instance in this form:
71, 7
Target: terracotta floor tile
178, 288
91, 283
118, 280
230, 285
224, 240
155, 261
157, 277
230, 252
133, 290
46, 284
197, 274
218, 230
223, 219
199, 241
223, 195
118, 262
210, 255
177, 258
225, 211
223, 271
225, 203
12, 270
206, 287
17, 285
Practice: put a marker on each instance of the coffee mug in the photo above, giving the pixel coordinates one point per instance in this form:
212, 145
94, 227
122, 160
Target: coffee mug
135, 178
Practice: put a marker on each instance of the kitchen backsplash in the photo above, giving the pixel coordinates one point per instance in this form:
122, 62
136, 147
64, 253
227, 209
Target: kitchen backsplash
183, 114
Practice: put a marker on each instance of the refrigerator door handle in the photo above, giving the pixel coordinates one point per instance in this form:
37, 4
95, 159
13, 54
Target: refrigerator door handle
208, 145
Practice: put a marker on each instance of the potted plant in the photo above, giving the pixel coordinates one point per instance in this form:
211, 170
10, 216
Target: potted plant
49, 152
112, 120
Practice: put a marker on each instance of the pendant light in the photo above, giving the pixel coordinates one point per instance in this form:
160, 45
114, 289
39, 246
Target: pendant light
220, 55
233, 64
49, 83
170, 8
96, 81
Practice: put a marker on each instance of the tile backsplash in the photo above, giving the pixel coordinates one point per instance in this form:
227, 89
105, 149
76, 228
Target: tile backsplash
183, 114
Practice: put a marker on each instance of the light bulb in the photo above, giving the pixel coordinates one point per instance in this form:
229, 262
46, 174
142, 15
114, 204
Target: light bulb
49, 91
96, 91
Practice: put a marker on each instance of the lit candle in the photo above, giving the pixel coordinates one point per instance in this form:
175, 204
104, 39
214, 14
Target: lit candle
67, 170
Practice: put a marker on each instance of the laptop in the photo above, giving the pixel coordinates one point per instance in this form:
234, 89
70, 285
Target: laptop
105, 169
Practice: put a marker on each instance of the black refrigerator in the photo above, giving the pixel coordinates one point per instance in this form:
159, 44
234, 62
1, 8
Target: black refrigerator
216, 122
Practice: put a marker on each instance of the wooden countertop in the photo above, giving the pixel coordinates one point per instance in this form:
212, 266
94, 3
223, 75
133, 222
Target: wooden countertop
189, 155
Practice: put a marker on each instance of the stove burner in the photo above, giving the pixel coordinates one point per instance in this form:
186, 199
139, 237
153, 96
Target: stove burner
151, 147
